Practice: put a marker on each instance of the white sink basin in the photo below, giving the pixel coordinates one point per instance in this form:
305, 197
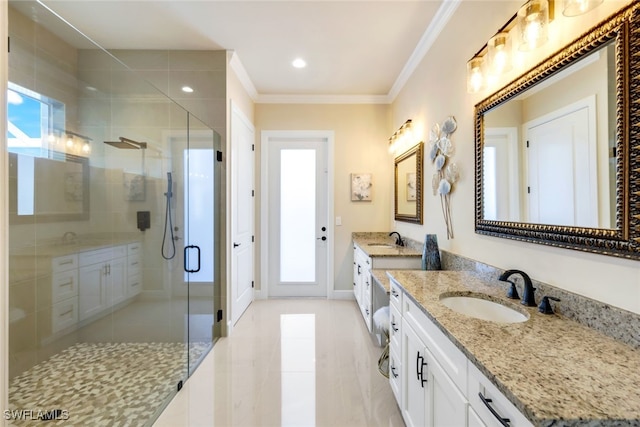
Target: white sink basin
481, 308
381, 245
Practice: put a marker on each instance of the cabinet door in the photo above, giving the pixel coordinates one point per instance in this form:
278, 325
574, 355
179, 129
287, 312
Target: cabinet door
91, 290
474, 418
117, 281
414, 384
448, 405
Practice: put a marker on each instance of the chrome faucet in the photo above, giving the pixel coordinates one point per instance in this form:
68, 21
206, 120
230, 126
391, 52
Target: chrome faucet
528, 297
399, 240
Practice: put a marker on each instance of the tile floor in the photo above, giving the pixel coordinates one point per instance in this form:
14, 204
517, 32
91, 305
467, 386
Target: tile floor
289, 363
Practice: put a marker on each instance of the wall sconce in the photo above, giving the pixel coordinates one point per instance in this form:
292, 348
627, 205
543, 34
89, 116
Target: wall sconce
83, 147
578, 7
401, 136
529, 24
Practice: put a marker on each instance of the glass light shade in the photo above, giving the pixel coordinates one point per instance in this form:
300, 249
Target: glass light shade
475, 75
499, 53
578, 7
533, 24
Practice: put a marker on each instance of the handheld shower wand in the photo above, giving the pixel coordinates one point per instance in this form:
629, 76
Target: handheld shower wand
168, 224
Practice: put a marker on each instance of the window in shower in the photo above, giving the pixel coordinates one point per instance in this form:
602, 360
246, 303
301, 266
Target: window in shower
35, 125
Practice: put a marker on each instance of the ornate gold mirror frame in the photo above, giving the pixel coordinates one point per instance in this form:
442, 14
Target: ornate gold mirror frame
408, 185
623, 240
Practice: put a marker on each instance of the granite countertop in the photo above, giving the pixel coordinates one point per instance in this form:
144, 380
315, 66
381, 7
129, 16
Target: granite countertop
554, 370
381, 277
368, 243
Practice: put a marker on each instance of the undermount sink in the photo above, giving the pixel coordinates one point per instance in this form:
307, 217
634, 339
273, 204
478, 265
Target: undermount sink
479, 307
381, 245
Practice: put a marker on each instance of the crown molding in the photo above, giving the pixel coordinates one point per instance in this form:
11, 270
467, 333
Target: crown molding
243, 76
437, 24
322, 99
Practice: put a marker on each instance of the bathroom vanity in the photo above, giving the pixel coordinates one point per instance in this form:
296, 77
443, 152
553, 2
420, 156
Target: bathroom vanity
447, 368
377, 251
85, 279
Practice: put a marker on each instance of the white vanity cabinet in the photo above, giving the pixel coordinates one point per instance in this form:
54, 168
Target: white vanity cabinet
134, 270
438, 385
103, 279
363, 284
64, 292
430, 397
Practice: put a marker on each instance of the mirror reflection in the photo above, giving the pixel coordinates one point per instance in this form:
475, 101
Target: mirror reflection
408, 185
549, 153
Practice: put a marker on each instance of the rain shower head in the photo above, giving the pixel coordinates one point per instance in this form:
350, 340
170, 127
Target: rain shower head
127, 144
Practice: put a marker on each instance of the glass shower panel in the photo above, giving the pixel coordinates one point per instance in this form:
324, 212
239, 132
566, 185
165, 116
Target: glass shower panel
104, 325
201, 269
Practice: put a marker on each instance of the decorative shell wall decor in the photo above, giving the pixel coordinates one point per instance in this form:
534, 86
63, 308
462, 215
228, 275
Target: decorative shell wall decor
441, 150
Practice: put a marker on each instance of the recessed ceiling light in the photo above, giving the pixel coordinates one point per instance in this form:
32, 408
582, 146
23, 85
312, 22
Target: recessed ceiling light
187, 89
299, 63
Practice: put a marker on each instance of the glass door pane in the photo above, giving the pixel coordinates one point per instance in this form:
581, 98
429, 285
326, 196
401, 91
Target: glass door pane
298, 215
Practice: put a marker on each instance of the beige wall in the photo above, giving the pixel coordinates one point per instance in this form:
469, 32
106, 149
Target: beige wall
361, 134
438, 89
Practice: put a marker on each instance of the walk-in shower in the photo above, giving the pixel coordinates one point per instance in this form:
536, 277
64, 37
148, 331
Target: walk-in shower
104, 327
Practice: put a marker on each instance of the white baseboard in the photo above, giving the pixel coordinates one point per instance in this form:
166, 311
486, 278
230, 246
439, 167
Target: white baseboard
342, 294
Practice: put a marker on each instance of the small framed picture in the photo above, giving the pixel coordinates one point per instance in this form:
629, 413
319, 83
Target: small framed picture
361, 186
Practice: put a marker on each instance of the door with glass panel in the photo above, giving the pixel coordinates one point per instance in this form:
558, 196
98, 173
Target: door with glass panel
297, 229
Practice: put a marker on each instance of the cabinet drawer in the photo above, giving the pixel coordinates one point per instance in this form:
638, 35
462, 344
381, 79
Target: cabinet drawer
64, 263
101, 255
134, 248
133, 265
395, 374
134, 284
395, 329
64, 314
64, 285
452, 360
480, 385
395, 296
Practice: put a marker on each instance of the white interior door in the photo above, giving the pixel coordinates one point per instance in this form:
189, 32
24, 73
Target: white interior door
562, 169
298, 229
501, 174
242, 215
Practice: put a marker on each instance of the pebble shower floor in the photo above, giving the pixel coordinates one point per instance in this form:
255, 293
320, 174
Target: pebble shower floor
95, 384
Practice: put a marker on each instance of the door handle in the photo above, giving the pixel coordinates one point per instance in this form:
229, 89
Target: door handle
323, 238
235, 245
186, 257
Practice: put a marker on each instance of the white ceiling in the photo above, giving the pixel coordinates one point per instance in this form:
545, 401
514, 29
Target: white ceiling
355, 49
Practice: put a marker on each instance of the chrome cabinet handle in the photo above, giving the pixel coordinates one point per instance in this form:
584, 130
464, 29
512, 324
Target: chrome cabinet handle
503, 421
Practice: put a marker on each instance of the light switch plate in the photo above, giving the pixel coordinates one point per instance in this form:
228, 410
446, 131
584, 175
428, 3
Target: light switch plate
338, 220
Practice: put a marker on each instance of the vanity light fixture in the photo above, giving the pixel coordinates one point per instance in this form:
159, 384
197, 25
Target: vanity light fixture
533, 24
401, 136
529, 24
579, 7
499, 53
475, 74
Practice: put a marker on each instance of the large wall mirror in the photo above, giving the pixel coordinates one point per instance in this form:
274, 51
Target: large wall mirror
558, 150
408, 185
